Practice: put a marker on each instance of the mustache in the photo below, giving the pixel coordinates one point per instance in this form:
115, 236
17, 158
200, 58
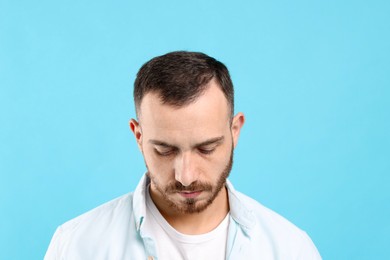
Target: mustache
195, 186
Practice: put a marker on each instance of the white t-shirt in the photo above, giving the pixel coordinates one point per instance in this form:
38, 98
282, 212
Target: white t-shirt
172, 244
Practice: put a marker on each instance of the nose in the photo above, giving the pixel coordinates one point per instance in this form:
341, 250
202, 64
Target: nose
185, 169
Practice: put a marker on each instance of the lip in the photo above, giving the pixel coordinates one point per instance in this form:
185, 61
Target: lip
191, 194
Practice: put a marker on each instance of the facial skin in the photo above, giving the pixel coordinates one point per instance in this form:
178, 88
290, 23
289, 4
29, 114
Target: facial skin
188, 151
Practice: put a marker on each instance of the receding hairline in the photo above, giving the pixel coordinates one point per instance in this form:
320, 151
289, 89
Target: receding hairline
188, 102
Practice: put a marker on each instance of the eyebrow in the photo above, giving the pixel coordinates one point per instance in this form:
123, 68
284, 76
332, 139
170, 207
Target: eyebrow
215, 140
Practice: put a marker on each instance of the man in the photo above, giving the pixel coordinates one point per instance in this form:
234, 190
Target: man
183, 207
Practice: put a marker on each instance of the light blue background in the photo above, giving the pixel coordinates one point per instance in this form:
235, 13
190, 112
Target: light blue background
312, 77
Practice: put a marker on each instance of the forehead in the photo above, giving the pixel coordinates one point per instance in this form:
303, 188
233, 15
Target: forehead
208, 116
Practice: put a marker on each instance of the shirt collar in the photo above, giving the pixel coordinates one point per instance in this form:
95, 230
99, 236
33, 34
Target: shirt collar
241, 214
238, 210
139, 201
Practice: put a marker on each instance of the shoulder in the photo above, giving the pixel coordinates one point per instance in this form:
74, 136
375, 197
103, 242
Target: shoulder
267, 218
107, 222
276, 231
111, 210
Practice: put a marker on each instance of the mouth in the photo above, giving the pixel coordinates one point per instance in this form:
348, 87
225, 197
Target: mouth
190, 194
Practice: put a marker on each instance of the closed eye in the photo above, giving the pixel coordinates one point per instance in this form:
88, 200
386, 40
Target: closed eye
206, 150
165, 152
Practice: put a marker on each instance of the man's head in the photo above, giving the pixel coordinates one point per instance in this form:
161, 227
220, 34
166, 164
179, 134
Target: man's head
186, 131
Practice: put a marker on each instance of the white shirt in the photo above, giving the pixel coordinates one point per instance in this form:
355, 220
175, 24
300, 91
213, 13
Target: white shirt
116, 230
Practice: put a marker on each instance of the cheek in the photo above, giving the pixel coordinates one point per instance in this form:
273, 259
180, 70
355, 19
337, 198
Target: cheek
223, 156
216, 165
157, 164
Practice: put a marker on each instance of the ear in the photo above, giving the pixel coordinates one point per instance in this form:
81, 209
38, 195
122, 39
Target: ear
237, 123
136, 129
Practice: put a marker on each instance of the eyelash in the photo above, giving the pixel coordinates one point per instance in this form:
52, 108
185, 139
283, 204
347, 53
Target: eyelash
206, 151
171, 152
165, 154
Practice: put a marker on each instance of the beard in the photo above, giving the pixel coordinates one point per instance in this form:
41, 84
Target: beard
192, 205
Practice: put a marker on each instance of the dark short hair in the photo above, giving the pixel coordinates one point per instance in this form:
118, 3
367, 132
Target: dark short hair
180, 77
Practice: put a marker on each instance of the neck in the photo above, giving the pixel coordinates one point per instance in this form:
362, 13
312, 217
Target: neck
196, 223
